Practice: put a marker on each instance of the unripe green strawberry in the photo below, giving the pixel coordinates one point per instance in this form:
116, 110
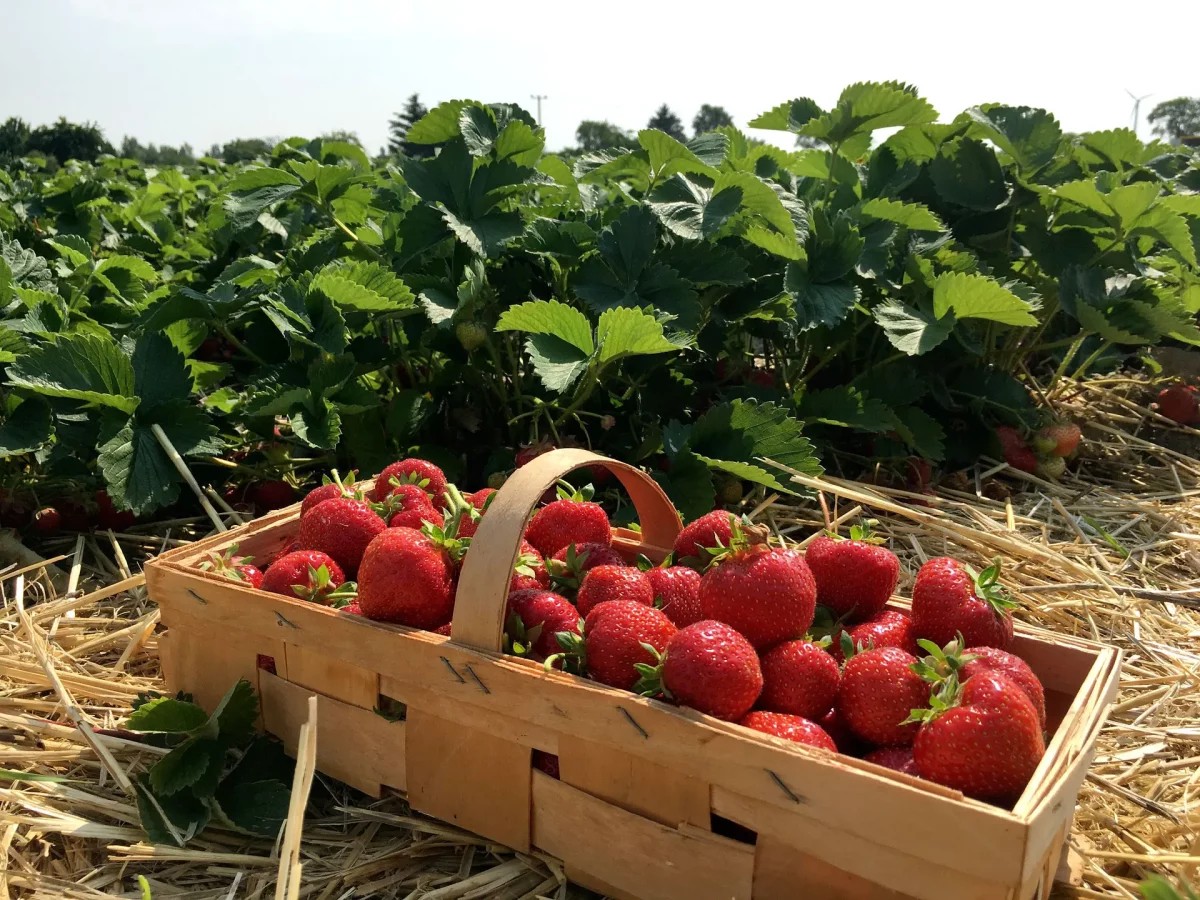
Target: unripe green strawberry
730, 491
1052, 467
471, 335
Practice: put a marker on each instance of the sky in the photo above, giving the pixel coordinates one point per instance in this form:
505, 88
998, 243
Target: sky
208, 71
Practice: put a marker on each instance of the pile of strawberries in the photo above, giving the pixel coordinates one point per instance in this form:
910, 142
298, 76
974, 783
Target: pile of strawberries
798, 646
1045, 452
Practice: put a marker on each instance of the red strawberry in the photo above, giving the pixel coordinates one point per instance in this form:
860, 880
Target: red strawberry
568, 565
407, 578
799, 678
791, 728
408, 506
677, 593
767, 595
1015, 451
709, 667
415, 471
342, 528
233, 566
533, 620
1059, 439
1180, 403
834, 725
604, 583
307, 574
570, 519
442, 629
272, 495
949, 598
855, 578
108, 516
981, 738
546, 762
530, 572
879, 691
713, 529
943, 662
615, 636
353, 609
887, 628
481, 498
898, 758
47, 520
330, 488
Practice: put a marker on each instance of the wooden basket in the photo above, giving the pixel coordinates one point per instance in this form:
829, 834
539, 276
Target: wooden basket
642, 783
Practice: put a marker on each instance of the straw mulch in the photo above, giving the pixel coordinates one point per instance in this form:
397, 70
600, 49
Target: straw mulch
1111, 553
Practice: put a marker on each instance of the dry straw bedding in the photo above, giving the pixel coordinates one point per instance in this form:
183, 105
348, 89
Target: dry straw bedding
81, 645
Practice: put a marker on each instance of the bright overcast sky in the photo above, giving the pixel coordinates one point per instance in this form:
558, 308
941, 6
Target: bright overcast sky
206, 72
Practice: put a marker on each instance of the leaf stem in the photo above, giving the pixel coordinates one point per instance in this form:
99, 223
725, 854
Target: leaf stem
238, 345
1070, 355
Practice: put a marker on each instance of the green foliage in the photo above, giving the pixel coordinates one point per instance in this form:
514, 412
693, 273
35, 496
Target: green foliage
1176, 119
697, 307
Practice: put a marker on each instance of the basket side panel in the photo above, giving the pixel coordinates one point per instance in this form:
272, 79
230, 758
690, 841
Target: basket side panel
332, 677
634, 784
603, 844
354, 745
782, 872
472, 778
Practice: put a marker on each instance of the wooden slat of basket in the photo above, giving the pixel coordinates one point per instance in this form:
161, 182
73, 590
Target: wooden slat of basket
636, 856
782, 872
332, 677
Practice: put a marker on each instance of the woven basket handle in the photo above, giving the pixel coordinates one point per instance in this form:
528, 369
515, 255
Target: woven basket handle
488, 567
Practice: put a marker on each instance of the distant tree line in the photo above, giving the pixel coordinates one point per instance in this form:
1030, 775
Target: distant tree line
594, 135
1177, 120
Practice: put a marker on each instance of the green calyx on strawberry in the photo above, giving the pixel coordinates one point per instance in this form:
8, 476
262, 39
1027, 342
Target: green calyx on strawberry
650, 684
864, 533
232, 566
947, 695
989, 588
446, 536
573, 652
567, 574
518, 640
942, 663
742, 537
320, 589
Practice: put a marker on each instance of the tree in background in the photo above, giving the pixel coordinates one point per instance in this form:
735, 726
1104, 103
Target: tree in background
341, 134
592, 135
65, 140
665, 120
710, 118
14, 134
183, 155
1176, 119
399, 125
245, 149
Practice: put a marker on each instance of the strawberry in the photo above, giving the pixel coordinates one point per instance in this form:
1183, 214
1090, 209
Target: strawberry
353, 608
571, 563
272, 495
108, 516
879, 691
834, 725
481, 499
530, 572
950, 598
855, 578
330, 488
791, 728
942, 662
408, 576
1052, 467
709, 667
408, 506
237, 568
413, 471
546, 762
310, 575
47, 520
572, 518
677, 593
618, 637
604, 583
766, 594
898, 758
713, 529
887, 628
1180, 403
981, 737
729, 491
1015, 451
471, 335
534, 618
443, 630
799, 678
1059, 439
341, 527
527, 453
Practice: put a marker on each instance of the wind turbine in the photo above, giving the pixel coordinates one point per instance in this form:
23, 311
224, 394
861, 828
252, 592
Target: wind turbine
1137, 106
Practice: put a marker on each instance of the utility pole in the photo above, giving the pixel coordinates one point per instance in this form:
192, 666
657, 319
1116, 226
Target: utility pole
539, 98
1137, 106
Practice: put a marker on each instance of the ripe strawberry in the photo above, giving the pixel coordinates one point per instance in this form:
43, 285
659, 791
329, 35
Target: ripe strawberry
329, 489
604, 583
898, 758
571, 563
108, 516
307, 574
341, 527
471, 335
529, 572
570, 519
408, 577
232, 566
272, 495
1052, 467
887, 628
616, 638
713, 529
677, 593
709, 667
1015, 451
800, 679
981, 738
47, 520
833, 723
414, 471
949, 598
526, 453
953, 660
767, 595
481, 499
1059, 439
546, 762
879, 691
353, 609
791, 728
1180, 403
443, 630
408, 506
534, 618
855, 578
